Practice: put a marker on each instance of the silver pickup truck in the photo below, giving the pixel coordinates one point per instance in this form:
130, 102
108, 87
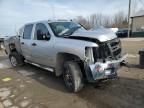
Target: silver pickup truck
68, 49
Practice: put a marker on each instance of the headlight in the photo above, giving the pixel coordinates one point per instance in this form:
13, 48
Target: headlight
89, 55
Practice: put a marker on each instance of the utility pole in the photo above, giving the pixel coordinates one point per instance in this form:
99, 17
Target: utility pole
129, 13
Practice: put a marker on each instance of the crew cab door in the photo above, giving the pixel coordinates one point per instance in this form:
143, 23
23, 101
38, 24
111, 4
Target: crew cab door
42, 46
26, 41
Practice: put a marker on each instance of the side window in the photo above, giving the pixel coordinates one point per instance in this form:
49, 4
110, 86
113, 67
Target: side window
41, 32
27, 31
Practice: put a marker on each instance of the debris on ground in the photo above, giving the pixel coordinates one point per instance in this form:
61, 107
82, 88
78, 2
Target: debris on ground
6, 79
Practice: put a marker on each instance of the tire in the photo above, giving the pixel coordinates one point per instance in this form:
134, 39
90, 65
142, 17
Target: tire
16, 59
72, 76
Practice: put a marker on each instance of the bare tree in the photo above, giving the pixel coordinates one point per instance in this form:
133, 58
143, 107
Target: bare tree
107, 21
92, 20
120, 20
95, 20
83, 21
134, 7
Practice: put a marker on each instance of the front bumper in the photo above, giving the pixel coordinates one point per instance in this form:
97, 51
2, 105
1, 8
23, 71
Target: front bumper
106, 70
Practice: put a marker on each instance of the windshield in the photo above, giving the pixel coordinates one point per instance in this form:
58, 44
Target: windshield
62, 29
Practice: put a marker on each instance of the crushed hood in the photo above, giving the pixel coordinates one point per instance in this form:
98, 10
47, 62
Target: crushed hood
100, 34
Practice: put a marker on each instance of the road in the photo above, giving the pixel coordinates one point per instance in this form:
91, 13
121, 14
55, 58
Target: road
31, 87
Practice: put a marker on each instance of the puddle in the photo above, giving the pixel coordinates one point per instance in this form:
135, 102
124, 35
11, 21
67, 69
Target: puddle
7, 103
25, 103
4, 93
26, 73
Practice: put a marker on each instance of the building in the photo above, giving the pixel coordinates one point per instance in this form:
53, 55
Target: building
137, 24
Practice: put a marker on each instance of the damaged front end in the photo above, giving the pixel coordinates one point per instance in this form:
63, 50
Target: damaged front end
103, 62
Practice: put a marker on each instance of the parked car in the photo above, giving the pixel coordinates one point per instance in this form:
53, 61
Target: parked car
121, 33
66, 48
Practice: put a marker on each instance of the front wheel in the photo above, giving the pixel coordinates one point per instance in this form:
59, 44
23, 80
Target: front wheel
72, 76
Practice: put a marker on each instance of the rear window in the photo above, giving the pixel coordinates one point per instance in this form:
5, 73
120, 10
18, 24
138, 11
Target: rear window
27, 31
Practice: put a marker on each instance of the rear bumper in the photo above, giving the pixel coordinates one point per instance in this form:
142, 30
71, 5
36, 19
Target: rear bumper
107, 70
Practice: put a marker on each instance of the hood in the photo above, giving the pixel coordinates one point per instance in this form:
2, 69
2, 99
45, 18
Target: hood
101, 34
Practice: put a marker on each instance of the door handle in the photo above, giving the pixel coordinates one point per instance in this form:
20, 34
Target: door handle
34, 44
22, 43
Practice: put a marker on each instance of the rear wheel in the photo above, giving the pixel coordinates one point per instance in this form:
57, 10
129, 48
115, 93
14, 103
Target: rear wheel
16, 59
72, 76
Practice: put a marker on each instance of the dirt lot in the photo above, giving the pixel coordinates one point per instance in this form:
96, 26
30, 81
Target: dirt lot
31, 87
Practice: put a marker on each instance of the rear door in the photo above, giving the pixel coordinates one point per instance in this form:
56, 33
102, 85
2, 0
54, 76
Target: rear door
26, 41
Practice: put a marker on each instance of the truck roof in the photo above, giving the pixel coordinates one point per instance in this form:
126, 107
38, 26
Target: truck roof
49, 21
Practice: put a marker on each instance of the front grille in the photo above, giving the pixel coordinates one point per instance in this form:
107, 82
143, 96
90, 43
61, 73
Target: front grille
115, 48
108, 50
114, 44
102, 52
117, 52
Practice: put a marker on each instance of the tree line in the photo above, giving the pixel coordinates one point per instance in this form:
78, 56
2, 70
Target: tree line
118, 20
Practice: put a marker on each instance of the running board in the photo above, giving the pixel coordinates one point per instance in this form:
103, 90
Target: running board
40, 66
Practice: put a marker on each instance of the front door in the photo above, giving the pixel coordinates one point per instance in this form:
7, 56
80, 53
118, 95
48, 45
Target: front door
42, 45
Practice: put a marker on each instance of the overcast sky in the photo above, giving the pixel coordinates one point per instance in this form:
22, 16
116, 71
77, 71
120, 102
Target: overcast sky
15, 13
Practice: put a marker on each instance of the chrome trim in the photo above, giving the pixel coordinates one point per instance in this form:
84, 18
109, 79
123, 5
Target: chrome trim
38, 65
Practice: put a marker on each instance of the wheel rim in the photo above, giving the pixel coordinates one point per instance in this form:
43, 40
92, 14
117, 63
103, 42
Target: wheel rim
13, 61
68, 78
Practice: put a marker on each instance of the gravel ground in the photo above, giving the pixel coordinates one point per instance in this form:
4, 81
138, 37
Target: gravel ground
31, 87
